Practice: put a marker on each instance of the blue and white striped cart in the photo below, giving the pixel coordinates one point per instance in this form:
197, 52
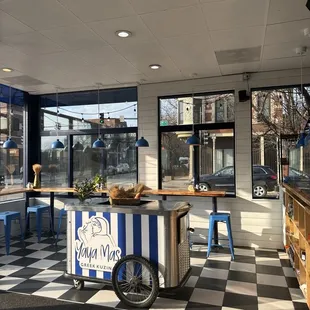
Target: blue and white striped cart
138, 249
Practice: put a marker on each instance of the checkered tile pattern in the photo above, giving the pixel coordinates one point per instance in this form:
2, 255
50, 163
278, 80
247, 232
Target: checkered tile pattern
257, 279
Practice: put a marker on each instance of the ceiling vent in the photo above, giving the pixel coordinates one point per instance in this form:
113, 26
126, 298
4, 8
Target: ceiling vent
22, 80
237, 56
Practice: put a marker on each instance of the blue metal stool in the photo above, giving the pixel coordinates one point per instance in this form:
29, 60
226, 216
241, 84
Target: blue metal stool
38, 210
7, 217
220, 217
62, 212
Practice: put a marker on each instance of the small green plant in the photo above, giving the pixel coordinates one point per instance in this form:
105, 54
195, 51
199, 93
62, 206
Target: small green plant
100, 181
84, 189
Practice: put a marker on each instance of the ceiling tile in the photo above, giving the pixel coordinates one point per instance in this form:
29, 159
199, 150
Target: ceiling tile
240, 68
237, 38
74, 37
106, 29
39, 14
280, 64
32, 43
177, 22
142, 54
117, 69
281, 50
287, 10
11, 57
142, 6
201, 71
95, 10
287, 32
231, 13
194, 50
10, 26
102, 55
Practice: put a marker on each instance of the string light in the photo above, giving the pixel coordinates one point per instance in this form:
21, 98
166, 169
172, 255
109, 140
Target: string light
108, 116
57, 111
12, 112
82, 118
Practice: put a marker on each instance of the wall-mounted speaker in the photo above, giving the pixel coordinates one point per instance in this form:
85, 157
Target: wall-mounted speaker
308, 5
243, 96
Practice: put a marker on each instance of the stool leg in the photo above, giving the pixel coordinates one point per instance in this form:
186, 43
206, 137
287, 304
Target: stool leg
7, 229
26, 224
231, 244
59, 226
211, 224
51, 224
39, 224
21, 229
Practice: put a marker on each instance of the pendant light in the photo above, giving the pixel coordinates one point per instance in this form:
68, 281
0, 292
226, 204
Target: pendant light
98, 144
193, 139
57, 144
142, 142
9, 143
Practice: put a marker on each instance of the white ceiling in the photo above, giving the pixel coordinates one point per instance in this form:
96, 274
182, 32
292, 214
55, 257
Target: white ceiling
72, 44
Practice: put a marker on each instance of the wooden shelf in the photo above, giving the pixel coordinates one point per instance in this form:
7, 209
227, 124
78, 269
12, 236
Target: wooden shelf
297, 227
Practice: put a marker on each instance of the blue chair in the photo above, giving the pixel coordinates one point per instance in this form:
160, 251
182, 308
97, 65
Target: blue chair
7, 217
39, 210
220, 217
62, 212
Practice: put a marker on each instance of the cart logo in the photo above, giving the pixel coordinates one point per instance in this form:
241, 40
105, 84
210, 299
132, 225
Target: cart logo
95, 248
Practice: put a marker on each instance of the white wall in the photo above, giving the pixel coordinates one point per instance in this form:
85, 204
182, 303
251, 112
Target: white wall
256, 223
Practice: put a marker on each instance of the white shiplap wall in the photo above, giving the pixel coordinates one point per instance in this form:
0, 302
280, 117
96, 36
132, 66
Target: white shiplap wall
256, 223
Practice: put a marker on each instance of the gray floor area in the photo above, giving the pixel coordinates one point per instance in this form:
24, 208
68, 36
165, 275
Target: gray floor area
12, 301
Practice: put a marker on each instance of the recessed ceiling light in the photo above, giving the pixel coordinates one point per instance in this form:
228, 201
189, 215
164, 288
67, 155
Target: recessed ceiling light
123, 33
155, 66
7, 69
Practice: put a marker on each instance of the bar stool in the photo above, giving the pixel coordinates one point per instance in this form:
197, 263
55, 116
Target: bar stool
62, 212
39, 210
220, 217
7, 217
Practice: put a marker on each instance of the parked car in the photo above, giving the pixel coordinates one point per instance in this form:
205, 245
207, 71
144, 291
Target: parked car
264, 180
297, 178
111, 170
123, 168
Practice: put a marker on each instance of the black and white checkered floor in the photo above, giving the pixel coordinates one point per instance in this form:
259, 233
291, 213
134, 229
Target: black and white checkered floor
257, 279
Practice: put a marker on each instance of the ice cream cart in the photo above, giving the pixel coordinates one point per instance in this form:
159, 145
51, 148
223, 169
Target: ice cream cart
138, 249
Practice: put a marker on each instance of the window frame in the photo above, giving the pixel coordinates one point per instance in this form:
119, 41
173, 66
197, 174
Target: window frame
197, 128
111, 94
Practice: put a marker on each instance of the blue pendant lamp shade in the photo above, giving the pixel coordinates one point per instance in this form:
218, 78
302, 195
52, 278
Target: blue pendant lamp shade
98, 144
142, 143
301, 140
9, 144
57, 145
307, 140
193, 140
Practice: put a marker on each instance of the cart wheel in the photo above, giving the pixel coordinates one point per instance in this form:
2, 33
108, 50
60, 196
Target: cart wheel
78, 284
135, 281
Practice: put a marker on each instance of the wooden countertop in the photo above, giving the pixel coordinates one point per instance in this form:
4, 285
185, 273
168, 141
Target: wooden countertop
159, 192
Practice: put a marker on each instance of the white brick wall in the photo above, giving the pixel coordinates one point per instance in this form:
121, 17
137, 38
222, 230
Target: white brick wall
256, 223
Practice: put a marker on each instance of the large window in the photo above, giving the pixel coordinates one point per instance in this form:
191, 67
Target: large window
276, 112
211, 117
79, 120
11, 160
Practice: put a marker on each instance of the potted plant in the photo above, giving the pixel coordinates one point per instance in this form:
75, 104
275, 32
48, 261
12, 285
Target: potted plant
100, 181
84, 189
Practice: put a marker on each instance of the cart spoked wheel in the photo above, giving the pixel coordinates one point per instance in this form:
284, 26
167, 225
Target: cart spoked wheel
135, 281
78, 284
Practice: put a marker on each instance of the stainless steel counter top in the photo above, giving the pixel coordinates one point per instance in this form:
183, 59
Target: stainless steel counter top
156, 207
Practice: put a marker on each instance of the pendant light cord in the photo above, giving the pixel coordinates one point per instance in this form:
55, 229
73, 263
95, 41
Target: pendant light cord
301, 82
10, 116
98, 98
57, 112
